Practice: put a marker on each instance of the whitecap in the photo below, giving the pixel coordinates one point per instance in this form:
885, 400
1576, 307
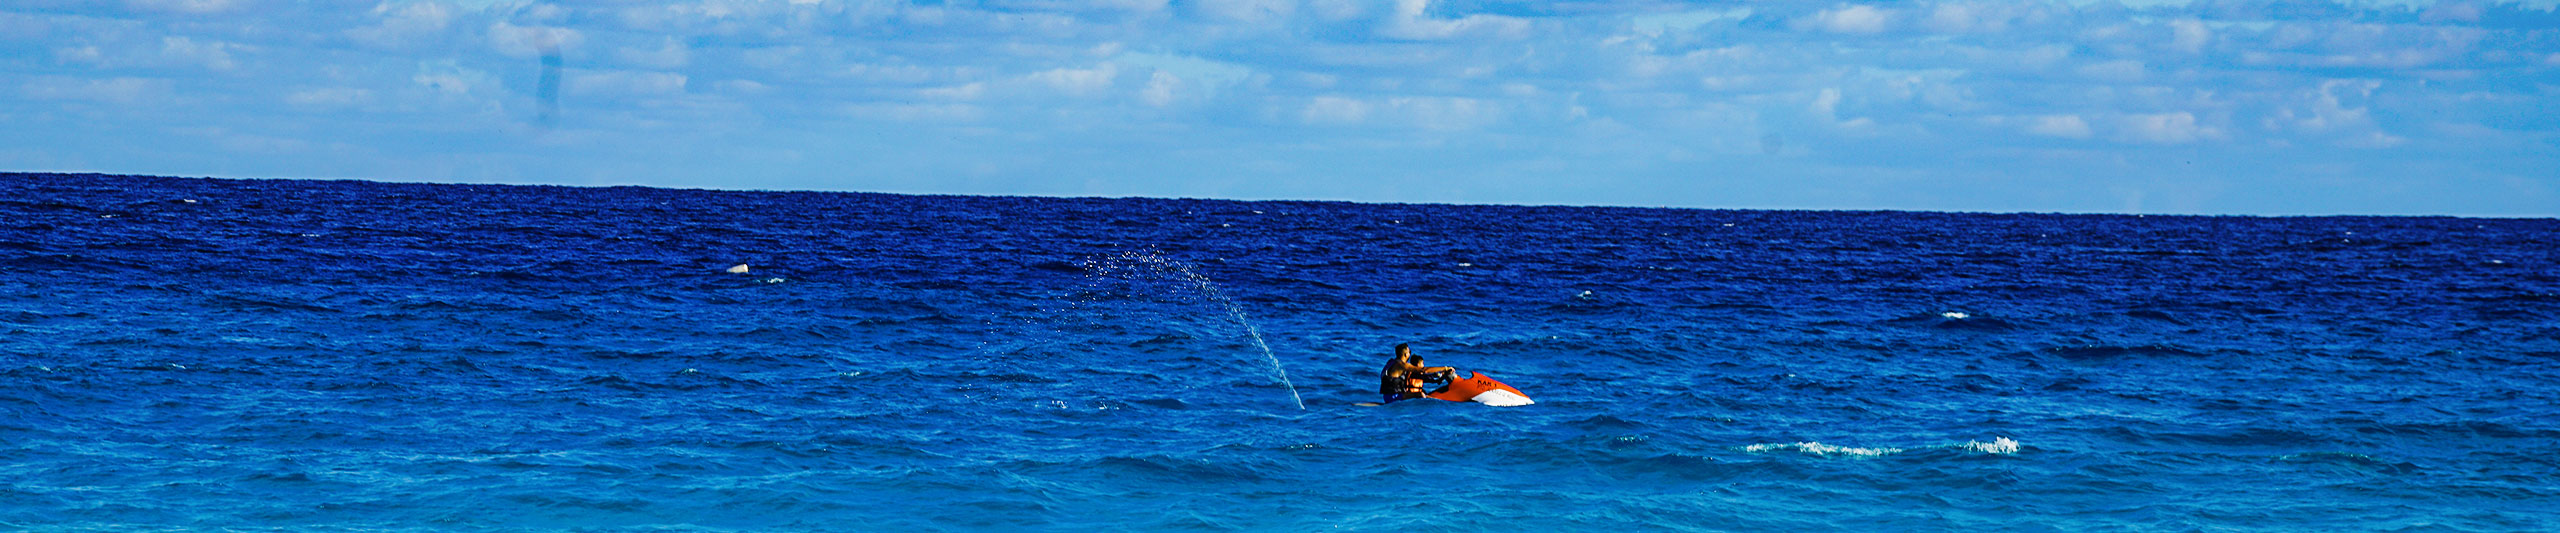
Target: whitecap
1955, 315
1997, 446
1816, 448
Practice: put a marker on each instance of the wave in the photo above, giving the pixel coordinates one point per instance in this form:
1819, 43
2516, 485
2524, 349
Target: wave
1817, 448
1997, 446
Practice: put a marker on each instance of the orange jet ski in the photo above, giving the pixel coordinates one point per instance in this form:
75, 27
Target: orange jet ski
1483, 390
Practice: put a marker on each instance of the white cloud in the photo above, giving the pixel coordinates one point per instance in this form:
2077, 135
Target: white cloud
1443, 113
187, 6
1656, 24
1192, 68
1334, 110
2164, 128
2325, 113
1966, 17
1252, 12
2064, 126
214, 55
669, 54
1885, 84
2189, 35
962, 92
169, 51
745, 87
1160, 89
1079, 82
118, 90
328, 97
2117, 71
1861, 19
79, 54
532, 41
2451, 12
1412, 20
622, 83
924, 113
404, 24
447, 79
254, 143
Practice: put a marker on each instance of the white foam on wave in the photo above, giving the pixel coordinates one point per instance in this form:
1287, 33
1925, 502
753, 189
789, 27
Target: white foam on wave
1997, 446
1816, 448
1955, 315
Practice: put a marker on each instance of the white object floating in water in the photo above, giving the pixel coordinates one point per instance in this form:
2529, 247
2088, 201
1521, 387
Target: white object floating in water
740, 269
1955, 315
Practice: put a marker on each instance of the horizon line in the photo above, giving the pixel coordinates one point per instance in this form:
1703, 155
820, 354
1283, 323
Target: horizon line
1298, 200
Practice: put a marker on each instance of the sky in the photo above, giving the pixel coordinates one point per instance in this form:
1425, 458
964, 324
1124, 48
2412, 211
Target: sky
2207, 107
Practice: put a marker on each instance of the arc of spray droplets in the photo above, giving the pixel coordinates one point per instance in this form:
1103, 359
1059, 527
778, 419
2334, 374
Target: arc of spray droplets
1233, 310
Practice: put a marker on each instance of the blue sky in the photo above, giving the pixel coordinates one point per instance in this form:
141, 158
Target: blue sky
2241, 107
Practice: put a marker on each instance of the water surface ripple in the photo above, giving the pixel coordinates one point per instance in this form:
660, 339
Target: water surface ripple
187, 353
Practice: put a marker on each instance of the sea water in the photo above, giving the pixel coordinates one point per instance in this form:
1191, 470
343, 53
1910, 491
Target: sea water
189, 353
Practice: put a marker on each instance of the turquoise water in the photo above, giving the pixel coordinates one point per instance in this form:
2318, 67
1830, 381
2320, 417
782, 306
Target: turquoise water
196, 354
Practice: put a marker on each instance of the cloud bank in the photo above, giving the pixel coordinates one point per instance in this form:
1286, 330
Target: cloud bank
2201, 107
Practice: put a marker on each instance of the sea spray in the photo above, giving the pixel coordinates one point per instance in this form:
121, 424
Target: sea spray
1182, 271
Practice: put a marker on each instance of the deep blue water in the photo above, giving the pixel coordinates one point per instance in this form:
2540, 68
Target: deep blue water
185, 353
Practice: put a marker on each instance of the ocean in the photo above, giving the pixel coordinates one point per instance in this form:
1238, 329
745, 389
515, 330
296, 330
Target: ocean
183, 354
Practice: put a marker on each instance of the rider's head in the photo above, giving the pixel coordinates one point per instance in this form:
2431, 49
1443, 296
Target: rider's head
1403, 350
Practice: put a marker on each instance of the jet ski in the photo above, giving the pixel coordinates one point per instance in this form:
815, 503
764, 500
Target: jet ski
1484, 390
